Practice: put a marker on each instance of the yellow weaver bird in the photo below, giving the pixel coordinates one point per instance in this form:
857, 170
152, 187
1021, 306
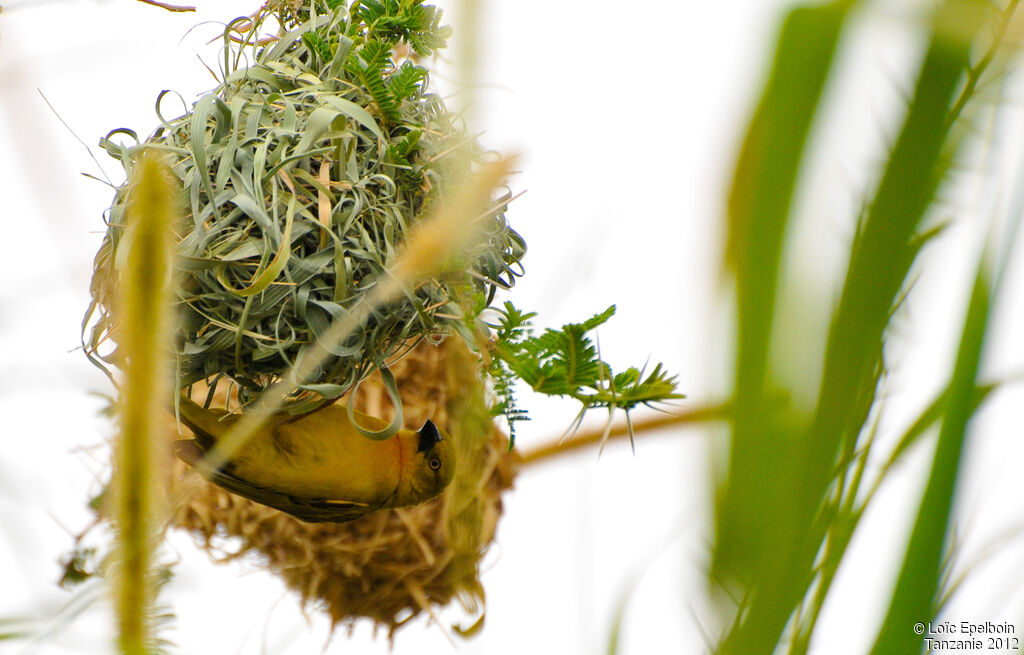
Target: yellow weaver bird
317, 467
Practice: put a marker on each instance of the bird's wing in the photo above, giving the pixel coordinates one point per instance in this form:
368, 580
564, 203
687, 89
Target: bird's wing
310, 510
320, 510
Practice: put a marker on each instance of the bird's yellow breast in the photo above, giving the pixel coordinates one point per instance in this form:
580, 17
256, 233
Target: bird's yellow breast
321, 455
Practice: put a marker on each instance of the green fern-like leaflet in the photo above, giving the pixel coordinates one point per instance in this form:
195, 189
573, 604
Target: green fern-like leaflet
566, 362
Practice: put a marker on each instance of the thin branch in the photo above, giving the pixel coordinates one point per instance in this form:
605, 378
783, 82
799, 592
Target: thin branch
975, 72
168, 7
621, 430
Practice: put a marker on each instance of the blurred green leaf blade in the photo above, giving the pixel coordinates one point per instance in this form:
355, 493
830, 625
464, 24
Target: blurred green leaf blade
753, 520
917, 589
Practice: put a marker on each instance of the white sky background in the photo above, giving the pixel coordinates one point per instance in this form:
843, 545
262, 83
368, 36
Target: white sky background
627, 124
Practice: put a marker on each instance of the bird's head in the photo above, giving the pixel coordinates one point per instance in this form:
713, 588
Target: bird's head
432, 465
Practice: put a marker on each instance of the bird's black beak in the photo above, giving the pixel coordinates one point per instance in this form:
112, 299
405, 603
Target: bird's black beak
429, 435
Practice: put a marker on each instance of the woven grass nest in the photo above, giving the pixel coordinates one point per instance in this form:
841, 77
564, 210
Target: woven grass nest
301, 176
391, 565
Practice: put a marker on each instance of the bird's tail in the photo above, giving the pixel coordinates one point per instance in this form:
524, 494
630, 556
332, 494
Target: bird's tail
207, 424
188, 451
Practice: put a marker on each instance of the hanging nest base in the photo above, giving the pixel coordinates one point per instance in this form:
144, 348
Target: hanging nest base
391, 565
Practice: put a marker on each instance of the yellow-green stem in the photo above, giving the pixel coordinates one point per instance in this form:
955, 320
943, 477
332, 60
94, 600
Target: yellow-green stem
145, 318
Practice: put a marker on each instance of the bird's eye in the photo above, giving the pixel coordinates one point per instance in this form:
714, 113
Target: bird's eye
434, 463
